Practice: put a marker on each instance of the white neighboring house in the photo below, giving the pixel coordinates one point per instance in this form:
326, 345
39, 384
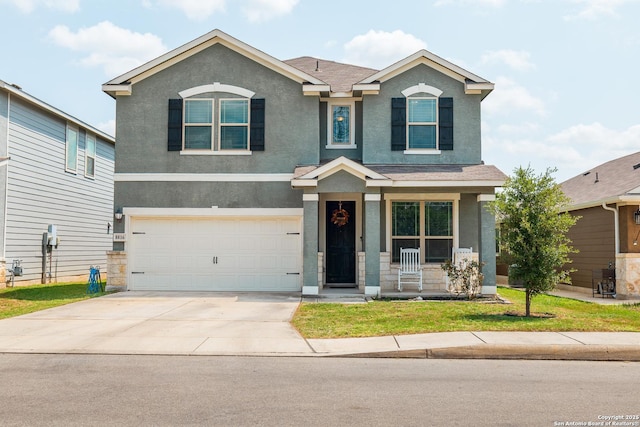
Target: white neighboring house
55, 170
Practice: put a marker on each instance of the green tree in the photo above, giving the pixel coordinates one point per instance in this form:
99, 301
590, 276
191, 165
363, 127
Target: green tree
534, 230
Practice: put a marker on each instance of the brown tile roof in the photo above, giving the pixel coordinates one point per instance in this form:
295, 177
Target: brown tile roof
606, 181
341, 77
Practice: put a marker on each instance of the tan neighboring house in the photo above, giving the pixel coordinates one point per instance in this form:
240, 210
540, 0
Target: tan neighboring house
607, 197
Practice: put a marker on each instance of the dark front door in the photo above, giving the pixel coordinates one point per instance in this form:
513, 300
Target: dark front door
341, 243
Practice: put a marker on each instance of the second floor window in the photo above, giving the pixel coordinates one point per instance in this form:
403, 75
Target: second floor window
341, 125
218, 125
71, 161
422, 123
90, 156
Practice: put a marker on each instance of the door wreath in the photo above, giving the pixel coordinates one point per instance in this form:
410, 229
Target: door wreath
340, 216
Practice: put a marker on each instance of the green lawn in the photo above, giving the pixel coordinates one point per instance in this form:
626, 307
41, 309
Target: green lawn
27, 299
377, 318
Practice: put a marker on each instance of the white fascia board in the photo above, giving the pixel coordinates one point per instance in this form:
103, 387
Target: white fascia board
316, 89
202, 177
13, 91
370, 88
203, 42
623, 200
211, 212
342, 163
433, 184
424, 57
379, 183
117, 90
304, 183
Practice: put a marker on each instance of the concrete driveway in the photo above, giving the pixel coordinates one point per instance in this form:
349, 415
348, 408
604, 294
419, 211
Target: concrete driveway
161, 323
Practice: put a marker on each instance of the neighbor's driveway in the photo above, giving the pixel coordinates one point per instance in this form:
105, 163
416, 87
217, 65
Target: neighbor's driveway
161, 323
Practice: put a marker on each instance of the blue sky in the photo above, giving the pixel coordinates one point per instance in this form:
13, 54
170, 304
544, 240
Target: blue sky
565, 70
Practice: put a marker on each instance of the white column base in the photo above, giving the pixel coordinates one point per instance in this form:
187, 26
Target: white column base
372, 291
310, 290
489, 290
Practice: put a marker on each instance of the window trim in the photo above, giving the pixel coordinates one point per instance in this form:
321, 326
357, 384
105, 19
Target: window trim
436, 149
422, 197
216, 87
220, 125
331, 145
87, 156
186, 124
66, 149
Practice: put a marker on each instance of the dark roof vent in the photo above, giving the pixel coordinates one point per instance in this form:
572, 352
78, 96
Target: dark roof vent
597, 180
636, 166
586, 173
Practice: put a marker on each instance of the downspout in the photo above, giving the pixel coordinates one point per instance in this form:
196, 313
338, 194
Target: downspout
616, 225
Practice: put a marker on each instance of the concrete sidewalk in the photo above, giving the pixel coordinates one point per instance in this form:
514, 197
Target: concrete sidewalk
173, 323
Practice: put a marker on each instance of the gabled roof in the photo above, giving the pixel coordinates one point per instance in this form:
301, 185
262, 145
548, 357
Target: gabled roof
318, 76
121, 85
341, 77
474, 84
616, 181
403, 175
19, 93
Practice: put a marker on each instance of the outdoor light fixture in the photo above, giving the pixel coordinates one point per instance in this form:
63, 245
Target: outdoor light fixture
636, 216
118, 214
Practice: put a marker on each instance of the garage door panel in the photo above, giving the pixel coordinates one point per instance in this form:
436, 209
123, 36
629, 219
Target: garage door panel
216, 254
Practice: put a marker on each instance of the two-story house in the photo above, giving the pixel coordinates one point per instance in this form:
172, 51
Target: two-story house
239, 171
56, 191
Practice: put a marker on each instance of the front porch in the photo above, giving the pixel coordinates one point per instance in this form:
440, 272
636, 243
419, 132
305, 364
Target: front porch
433, 285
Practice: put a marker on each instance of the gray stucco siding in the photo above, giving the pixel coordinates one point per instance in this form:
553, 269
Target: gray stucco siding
377, 121
341, 182
207, 194
40, 193
291, 138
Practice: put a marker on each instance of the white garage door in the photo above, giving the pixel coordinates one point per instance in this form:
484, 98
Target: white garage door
230, 254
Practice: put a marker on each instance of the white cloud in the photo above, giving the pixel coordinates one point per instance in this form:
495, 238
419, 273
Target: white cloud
28, 6
115, 49
378, 49
594, 9
573, 150
195, 10
509, 96
516, 59
264, 10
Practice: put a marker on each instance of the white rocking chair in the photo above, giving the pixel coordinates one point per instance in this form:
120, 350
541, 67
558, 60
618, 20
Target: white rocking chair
410, 270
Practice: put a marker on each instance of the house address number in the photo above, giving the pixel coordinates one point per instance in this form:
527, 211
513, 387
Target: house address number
119, 237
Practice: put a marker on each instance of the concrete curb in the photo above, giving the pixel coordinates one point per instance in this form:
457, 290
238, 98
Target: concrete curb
600, 353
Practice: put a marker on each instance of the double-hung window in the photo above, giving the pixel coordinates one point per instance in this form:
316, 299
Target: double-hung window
217, 125
198, 124
422, 123
424, 225
90, 156
234, 124
341, 123
71, 156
